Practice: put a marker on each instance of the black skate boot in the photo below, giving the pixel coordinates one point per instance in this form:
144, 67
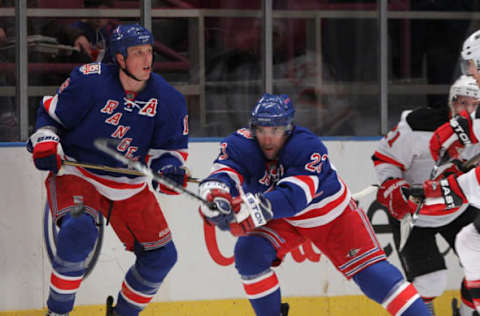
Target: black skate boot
110, 309
50, 313
284, 309
455, 310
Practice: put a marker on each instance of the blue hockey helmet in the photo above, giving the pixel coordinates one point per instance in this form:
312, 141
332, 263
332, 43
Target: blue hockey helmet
273, 110
128, 35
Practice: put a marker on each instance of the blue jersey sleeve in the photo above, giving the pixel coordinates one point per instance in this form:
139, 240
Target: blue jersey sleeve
230, 166
72, 101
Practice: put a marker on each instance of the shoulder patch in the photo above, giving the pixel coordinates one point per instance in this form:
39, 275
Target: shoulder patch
245, 132
88, 69
427, 118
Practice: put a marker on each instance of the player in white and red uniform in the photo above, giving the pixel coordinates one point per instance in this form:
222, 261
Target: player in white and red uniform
403, 158
441, 196
275, 187
127, 102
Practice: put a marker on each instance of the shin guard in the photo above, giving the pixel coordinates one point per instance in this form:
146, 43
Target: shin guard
253, 258
144, 278
383, 283
75, 241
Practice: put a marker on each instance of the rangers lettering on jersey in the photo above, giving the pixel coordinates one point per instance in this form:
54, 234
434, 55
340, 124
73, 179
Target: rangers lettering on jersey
87, 116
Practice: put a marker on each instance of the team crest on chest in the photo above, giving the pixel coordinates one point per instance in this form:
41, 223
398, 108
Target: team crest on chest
273, 173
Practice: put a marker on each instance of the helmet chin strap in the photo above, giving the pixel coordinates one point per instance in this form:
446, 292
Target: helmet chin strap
128, 73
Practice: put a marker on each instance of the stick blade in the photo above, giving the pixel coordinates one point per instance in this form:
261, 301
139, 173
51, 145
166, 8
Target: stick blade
406, 226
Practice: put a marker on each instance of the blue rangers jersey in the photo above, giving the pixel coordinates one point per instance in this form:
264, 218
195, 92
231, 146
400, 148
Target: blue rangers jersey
151, 126
301, 184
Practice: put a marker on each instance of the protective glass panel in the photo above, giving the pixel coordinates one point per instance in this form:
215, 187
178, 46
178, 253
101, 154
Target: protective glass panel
206, 4
305, 5
424, 57
233, 73
331, 79
9, 122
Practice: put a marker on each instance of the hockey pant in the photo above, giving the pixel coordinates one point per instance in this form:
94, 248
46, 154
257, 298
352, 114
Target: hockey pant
381, 281
467, 246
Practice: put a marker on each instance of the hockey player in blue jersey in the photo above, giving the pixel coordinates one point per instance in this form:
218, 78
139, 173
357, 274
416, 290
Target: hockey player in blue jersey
127, 102
274, 187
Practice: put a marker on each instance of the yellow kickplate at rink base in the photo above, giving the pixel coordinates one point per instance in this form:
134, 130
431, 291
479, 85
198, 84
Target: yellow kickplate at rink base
355, 305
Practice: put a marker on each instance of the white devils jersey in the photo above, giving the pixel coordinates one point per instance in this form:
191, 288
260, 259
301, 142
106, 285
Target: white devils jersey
405, 153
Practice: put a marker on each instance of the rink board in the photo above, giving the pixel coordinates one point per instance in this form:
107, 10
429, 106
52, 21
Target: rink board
204, 277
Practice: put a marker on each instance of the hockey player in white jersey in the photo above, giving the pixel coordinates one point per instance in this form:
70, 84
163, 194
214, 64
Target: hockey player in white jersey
403, 158
453, 138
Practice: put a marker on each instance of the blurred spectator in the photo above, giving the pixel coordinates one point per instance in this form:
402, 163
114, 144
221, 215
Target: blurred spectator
97, 30
8, 117
437, 43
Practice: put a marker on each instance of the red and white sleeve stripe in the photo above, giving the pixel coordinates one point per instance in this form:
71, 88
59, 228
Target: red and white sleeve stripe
50, 105
308, 184
229, 171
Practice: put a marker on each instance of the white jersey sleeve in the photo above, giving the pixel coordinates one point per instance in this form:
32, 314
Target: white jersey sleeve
403, 153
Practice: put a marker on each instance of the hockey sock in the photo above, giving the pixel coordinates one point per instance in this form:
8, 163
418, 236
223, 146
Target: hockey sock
253, 258
144, 278
429, 302
263, 291
75, 240
473, 287
383, 283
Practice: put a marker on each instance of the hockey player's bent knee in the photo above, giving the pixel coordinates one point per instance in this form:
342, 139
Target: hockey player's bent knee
76, 238
377, 280
154, 265
253, 254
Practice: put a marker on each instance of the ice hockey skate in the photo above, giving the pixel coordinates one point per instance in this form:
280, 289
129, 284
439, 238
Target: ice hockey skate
110, 309
284, 309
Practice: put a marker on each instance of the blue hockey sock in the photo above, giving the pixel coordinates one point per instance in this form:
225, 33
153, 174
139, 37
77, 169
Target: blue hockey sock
253, 258
384, 283
268, 305
144, 278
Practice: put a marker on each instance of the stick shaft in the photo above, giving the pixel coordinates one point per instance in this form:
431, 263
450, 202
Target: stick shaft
111, 169
104, 145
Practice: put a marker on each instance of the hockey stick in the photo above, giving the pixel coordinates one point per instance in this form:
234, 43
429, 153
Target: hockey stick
408, 221
105, 145
362, 193
112, 169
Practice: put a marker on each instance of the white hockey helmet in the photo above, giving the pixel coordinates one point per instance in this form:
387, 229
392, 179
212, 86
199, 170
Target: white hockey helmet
464, 86
471, 51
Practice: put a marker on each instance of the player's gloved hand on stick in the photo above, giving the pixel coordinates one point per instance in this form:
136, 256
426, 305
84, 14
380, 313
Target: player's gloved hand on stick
393, 194
454, 166
442, 195
175, 173
255, 211
47, 150
452, 137
218, 193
